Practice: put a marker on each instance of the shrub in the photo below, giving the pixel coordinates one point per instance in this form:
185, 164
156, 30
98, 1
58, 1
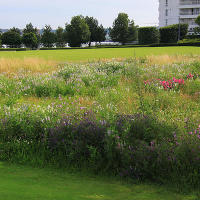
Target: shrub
148, 35
14, 49
131, 145
169, 34
190, 42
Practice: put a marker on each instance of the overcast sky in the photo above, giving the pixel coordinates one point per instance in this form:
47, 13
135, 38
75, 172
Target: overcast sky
57, 12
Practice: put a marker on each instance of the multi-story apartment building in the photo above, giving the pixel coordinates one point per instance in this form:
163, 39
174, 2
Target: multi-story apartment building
175, 11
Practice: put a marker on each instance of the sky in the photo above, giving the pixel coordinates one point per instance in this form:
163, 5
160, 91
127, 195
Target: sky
56, 13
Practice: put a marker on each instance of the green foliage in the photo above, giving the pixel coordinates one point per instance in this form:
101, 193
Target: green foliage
16, 30
14, 49
60, 37
190, 41
197, 29
169, 34
77, 32
132, 32
30, 29
48, 37
197, 20
0, 38
30, 40
93, 27
12, 39
192, 87
101, 34
148, 35
123, 29
97, 32
119, 31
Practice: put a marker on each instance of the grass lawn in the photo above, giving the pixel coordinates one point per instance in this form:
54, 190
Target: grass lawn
19, 182
94, 54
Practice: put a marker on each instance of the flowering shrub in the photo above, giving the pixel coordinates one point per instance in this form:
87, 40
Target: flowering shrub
170, 84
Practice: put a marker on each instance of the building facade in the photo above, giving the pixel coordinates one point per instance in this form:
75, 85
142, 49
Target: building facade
175, 11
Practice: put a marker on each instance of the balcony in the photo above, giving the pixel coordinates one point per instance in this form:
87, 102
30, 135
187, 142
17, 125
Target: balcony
189, 2
189, 12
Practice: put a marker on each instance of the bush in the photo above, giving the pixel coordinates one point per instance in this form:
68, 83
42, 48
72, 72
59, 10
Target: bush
130, 145
193, 36
148, 35
169, 34
192, 42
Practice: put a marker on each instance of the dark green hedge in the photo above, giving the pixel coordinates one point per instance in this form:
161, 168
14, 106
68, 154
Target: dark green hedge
175, 44
14, 49
192, 36
169, 34
148, 35
95, 47
59, 48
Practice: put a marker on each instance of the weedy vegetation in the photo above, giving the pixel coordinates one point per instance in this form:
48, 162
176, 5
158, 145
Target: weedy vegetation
133, 118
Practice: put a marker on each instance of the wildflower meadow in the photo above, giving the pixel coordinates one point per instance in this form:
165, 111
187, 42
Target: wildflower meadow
131, 118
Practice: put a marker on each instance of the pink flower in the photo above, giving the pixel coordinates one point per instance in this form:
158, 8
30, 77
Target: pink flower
190, 76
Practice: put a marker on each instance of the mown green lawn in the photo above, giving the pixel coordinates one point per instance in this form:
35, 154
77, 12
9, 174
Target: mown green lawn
91, 54
26, 183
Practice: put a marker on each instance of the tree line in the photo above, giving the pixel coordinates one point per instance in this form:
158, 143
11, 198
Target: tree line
85, 30
81, 30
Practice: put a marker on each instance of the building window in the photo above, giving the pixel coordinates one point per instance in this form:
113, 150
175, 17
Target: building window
166, 12
166, 2
166, 22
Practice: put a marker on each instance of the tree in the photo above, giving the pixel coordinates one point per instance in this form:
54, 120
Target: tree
12, 39
16, 30
30, 29
119, 31
60, 37
197, 29
93, 27
48, 37
122, 29
97, 31
101, 34
30, 40
132, 32
0, 38
77, 32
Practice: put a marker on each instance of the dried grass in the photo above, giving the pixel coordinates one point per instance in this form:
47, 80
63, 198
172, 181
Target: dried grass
171, 59
26, 65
